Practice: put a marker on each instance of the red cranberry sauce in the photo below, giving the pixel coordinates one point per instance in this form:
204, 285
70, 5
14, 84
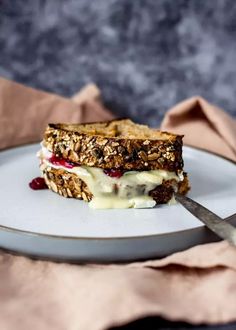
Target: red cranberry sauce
38, 184
58, 161
114, 173
62, 162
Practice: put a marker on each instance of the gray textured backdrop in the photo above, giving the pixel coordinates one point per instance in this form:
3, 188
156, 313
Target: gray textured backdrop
145, 55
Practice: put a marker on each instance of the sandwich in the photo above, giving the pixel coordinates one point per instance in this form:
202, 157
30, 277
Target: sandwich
113, 164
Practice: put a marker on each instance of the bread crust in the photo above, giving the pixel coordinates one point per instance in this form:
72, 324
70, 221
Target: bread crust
69, 185
164, 192
107, 151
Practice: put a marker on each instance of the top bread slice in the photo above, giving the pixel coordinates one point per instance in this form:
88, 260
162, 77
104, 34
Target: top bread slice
116, 144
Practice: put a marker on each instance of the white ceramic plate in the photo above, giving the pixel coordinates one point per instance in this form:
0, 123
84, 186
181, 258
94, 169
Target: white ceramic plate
46, 225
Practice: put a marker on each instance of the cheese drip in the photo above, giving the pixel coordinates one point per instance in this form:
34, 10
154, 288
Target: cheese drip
131, 190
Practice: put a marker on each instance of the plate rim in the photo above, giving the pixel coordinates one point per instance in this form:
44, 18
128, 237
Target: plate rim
31, 233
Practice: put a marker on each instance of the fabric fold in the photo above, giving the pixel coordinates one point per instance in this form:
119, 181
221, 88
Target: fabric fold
204, 126
25, 112
219, 255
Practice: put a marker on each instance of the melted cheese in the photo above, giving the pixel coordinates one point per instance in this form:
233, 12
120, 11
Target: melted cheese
129, 191
114, 202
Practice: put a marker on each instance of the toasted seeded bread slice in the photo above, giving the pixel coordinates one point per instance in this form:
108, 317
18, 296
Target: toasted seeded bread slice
69, 185
115, 144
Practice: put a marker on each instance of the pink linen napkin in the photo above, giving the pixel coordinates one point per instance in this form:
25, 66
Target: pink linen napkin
197, 285
25, 112
204, 125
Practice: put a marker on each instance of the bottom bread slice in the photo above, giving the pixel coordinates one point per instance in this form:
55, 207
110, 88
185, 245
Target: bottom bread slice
70, 185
